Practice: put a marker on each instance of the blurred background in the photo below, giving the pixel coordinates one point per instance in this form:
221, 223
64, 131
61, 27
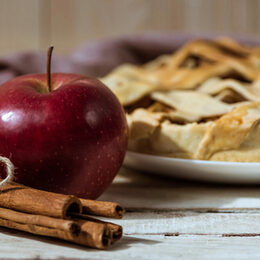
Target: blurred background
34, 24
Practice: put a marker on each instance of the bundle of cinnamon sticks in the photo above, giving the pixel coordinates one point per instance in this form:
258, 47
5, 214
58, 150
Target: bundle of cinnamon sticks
56, 215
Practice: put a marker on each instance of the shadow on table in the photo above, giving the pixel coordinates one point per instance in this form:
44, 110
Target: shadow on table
127, 241
49, 240
122, 244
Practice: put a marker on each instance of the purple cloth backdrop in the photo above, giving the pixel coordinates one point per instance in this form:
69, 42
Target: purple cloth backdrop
98, 58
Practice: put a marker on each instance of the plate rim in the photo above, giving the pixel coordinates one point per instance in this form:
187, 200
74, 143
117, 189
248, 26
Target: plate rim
194, 161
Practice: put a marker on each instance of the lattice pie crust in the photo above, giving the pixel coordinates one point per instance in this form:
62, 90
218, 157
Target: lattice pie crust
201, 102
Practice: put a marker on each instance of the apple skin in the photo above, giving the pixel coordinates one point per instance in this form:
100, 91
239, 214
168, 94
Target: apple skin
71, 140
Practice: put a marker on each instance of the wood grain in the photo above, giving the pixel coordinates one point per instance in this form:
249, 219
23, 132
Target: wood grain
137, 247
19, 28
35, 24
191, 223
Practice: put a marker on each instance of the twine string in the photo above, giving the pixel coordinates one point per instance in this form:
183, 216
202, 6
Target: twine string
9, 167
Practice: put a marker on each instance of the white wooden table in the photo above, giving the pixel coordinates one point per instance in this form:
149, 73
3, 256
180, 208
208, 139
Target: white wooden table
165, 219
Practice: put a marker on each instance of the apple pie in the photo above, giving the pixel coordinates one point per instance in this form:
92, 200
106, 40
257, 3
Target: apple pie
201, 102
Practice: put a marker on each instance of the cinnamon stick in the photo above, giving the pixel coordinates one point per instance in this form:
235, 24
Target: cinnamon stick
83, 232
114, 231
21, 198
97, 235
46, 213
102, 208
40, 225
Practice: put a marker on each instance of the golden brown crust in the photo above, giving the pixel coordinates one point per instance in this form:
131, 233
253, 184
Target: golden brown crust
204, 102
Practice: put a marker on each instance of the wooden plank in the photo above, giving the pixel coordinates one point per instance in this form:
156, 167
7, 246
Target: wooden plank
135, 247
34, 24
232, 16
19, 25
191, 223
86, 20
138, 191
45, 37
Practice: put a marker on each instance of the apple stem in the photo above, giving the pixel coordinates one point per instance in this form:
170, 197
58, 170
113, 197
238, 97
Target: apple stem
48, 70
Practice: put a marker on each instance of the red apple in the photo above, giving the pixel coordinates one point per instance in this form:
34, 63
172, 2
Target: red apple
70, 140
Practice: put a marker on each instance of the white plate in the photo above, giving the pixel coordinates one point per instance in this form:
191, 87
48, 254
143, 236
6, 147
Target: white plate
228, 172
